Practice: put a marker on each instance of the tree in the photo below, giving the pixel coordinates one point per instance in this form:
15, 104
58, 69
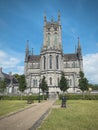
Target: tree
63, 84
83, 82
17, 76
43, 85
3, 85
22, 83
93, 86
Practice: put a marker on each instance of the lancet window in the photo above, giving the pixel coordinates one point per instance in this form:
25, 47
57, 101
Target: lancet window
50, 62
57, 62
50, 81
44, 62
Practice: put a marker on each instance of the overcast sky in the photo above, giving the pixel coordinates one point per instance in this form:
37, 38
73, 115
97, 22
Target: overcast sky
22, 20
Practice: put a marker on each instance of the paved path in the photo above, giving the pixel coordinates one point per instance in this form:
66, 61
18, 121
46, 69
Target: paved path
24, 120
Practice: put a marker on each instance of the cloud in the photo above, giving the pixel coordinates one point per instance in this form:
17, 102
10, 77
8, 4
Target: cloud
90, 63
8, 61
97, 43
11, 62
19, 70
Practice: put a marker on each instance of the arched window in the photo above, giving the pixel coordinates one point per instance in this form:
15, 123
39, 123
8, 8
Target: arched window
48, 39
50, 81
50, 62
73, 64
57, 62
67, 65
34, 82
44, 62
58, 81
70, 82
77, 64
55, 38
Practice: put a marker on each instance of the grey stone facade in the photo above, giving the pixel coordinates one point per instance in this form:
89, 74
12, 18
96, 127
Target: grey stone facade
52, 61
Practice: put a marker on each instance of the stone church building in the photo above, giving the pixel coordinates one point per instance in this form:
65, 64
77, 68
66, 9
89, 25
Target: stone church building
52, 61
11, 83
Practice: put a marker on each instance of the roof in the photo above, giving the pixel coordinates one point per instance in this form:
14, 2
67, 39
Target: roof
67, 57
70, 57
34, 58
9, 78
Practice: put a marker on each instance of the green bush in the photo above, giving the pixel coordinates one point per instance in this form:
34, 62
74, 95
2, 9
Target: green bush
80, 96
1, 97
30, 100
33, 97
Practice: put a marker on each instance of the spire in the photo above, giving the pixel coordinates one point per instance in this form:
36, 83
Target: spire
27, 46
79, 52
79, 46
75, 49
27, 51
45, 19
59, 16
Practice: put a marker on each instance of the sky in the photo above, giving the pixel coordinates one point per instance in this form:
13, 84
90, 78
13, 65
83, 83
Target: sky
22, 20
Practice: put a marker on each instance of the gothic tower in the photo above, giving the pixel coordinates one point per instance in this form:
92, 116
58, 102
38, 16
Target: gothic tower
52, 34
51, 52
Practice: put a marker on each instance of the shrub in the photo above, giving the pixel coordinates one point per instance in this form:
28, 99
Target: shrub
30, 100
80, 96
33, 97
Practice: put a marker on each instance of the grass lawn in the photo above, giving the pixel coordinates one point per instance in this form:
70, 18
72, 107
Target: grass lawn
79, 115
7, 106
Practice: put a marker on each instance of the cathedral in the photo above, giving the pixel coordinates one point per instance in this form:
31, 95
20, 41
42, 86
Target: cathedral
52, 61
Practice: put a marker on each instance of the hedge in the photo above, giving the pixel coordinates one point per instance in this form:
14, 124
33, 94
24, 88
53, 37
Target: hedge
80, 96
33, 97
68, 97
